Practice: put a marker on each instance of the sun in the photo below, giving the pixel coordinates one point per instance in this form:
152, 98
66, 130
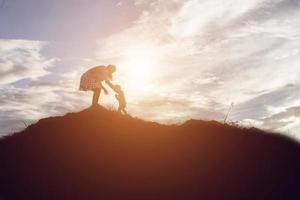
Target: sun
140, 64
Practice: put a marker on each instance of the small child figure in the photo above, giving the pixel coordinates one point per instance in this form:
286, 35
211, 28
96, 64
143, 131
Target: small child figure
121, 99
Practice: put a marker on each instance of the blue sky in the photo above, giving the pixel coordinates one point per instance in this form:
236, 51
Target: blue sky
183, 58
70, 27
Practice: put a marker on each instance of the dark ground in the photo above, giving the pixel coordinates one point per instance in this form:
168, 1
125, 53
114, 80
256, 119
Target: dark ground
99, 154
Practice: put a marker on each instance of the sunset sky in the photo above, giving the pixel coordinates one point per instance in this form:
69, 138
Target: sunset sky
176, 59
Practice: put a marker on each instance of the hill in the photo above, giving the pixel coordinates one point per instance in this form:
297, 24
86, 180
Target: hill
99, 154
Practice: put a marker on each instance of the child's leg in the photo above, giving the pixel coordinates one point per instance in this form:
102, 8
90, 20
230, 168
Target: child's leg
124, 111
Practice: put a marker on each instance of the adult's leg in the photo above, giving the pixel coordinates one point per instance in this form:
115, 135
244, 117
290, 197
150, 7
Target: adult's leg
96, 96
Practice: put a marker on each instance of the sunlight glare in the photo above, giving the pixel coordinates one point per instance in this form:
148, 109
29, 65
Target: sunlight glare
140, 64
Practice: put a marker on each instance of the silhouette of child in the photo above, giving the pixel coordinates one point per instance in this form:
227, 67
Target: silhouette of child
121, 99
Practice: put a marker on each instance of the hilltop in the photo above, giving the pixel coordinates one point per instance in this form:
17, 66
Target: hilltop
100, 154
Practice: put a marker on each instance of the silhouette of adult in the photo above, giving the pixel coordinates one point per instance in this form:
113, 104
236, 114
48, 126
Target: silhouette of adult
92, 79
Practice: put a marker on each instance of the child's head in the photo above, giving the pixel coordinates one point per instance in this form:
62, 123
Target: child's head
117, 88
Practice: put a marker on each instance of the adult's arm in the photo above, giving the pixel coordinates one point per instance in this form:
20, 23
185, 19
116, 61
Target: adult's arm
110, 84
105, 90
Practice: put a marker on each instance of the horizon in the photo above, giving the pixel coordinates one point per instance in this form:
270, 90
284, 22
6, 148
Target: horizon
176, 60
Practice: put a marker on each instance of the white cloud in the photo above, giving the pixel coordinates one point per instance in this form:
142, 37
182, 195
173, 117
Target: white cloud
20, 59
119, 4
143, 2
36, 97
215, 51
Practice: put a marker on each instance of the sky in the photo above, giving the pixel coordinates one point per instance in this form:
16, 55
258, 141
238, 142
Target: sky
176, 59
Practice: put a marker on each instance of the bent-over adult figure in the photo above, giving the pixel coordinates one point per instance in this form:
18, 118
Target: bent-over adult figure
92, 79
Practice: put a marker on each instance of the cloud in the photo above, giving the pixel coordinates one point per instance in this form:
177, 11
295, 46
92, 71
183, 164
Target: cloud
282, 119
20, 59
174, 109
119, 4
262, 105
35, 101
29, 90
286, 121
143, 2
290, 112
216, 51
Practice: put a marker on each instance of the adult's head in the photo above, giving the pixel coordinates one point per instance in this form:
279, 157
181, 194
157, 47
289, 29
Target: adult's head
111, 69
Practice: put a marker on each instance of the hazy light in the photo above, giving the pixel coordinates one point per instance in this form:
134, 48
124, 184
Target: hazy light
139, 68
